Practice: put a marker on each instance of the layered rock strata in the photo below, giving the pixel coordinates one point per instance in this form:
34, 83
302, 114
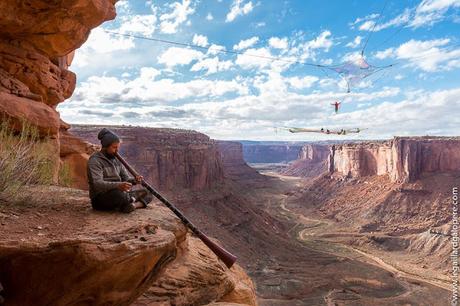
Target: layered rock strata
311, 162
37, 40
168, 158
403, 159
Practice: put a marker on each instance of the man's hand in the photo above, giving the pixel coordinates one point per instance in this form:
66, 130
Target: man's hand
125, 186
139, 179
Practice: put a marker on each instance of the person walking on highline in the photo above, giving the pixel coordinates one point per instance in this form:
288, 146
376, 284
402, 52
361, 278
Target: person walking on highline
109, 182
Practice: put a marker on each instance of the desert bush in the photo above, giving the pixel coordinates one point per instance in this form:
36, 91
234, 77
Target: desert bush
65, 175
24, 159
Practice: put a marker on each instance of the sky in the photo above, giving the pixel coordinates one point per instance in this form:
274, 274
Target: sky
240, 94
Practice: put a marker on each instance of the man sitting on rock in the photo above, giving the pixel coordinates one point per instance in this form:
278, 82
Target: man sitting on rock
109, 182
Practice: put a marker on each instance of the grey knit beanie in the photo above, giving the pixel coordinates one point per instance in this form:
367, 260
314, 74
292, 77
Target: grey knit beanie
107, 137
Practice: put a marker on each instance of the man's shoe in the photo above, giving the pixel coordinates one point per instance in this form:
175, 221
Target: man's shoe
139, 204
128, 208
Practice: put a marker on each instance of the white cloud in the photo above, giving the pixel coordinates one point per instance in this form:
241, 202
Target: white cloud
212, 65
215, 49
142, 24
419, 115
148, 90
278, 43
209, 17
301, 83
123, 7
149, 73
308, 49
385, 53
427, 13
355, 43
361, 19
367, 25
142, 101
322, 41
399, 20
352, 57
100, 41
179, 56
180, 12
239, 8
246, 43
250, 62
200, 40
429, 55
427, 6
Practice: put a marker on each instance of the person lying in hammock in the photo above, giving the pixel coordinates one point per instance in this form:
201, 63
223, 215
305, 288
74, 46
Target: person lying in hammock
109, 182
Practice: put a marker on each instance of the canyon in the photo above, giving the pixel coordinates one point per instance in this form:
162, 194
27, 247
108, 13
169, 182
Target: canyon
270, 152
359, 223
277, 225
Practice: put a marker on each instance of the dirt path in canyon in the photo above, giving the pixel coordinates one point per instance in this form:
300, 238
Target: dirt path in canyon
318, 234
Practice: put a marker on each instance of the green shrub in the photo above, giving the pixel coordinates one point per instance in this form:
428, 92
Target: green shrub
25, 159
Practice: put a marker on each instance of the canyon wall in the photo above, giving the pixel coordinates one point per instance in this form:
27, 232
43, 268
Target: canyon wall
234, 166
403, 159
167, 158
37, 40
311, 161
314, 152
270, 153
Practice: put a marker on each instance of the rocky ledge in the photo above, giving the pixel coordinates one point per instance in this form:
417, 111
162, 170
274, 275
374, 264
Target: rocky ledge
54, 249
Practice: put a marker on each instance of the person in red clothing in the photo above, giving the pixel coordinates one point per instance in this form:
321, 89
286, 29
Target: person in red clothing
336, 106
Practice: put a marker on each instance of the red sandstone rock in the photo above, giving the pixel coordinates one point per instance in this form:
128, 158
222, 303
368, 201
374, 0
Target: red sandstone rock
194, 279
404, 159
233, 162
20, 110
311, 162
167, 158
44, 81
74, 155
244, 292
70, 255
54, 28
60, 252
37, 40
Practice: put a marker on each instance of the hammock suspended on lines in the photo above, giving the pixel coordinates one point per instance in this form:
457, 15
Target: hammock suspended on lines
325, 131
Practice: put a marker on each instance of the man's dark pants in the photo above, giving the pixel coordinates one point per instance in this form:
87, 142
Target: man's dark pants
116, 199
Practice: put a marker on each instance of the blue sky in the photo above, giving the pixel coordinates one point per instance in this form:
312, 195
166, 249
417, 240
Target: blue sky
124, 80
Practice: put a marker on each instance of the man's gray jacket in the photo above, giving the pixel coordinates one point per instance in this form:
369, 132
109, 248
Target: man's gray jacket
105, 174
